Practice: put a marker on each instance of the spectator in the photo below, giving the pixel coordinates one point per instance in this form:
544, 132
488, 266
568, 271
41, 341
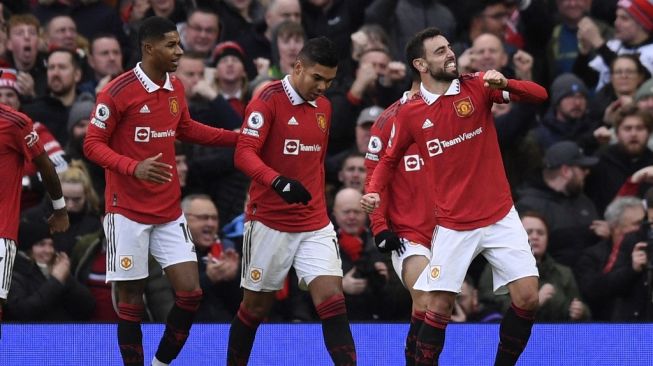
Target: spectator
468, 308
352, 172
238, 16
230, 76
632, 26
64, 72
601, 281
218, 261
559, 296
366, 274
42, 288
617, 162
105, 59
559, 197
201, 32
24, 56
567, 118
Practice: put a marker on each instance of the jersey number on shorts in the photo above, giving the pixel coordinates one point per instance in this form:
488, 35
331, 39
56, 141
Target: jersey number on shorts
186, 231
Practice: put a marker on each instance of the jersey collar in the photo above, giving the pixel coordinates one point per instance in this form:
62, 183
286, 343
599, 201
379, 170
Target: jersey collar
293, 96
149, 85
430, 98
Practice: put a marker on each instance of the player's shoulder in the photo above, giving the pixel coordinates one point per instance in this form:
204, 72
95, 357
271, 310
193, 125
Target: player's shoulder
471, 76
388, 114
120, 83
14, 117
269, 91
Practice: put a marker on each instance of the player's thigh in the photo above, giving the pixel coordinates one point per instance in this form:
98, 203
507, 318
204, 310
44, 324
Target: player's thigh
507, 250
267, 256
127, 248
410, 262
7, 256
171, 243
452, 252
317, 255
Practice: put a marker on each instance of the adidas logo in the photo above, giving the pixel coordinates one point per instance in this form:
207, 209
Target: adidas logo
292, 121
286, 188
145, 109
427, 124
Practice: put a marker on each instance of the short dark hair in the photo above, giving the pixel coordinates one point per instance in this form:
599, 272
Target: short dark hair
320, 50
74, 57
154, 29
415, 46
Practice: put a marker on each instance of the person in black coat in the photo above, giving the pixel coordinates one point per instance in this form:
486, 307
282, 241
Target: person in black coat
42, 288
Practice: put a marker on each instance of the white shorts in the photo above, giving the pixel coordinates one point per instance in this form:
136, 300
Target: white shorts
7, 256
504, 245
269, 253
410, 249
128, 244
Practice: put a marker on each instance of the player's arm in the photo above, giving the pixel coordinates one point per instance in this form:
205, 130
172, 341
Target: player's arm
398, 143
198, 133
385, 239
104, 120
247, 158
507, 90
58, 221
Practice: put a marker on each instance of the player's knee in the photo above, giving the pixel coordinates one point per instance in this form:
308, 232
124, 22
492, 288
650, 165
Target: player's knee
527, 300
130, 312
188, 300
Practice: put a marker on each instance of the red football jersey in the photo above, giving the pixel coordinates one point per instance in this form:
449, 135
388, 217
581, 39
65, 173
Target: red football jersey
19, 143
407, 205
136, 119
455, 133
284, 135
52, 148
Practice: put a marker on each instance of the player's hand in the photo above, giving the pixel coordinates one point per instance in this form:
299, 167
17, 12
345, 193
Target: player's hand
154, 171
58, 221
370, 201
576, 309
292, 191
387, 241
546, 293
494, 79
61, 267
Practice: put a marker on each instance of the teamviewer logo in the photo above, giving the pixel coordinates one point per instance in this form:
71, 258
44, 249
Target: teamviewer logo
142, 134
434, 146
291, 147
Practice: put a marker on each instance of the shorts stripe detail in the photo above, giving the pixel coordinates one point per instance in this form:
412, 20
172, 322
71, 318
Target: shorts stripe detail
12, 257
4, 267
111, 265
7, 267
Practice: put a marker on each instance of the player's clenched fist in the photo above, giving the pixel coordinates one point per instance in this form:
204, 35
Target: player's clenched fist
370, 201
494, 79
154, 171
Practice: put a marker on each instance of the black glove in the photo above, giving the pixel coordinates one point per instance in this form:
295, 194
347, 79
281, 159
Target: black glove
292, 191
387, 241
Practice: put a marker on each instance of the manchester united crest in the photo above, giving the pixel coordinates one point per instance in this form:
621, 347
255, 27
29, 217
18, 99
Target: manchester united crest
435, 272
321, 121
463, 107
255, 274
126, 262
174, 106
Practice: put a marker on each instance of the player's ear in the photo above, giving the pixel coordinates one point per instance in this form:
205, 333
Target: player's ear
420, 64
298, 67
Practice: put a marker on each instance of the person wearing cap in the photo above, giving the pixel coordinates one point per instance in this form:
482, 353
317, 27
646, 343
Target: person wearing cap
633, 26
567, 118
42, 286
617, 162
362, 135
230, 76
559, 197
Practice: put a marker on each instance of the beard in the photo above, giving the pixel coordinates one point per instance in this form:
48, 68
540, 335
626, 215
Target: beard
442, 75
574, 188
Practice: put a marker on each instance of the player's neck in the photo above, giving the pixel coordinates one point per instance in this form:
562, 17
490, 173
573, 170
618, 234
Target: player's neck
438, 87
156, 75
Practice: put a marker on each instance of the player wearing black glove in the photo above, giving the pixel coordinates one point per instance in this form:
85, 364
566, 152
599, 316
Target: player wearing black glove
387, 241
292, 191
